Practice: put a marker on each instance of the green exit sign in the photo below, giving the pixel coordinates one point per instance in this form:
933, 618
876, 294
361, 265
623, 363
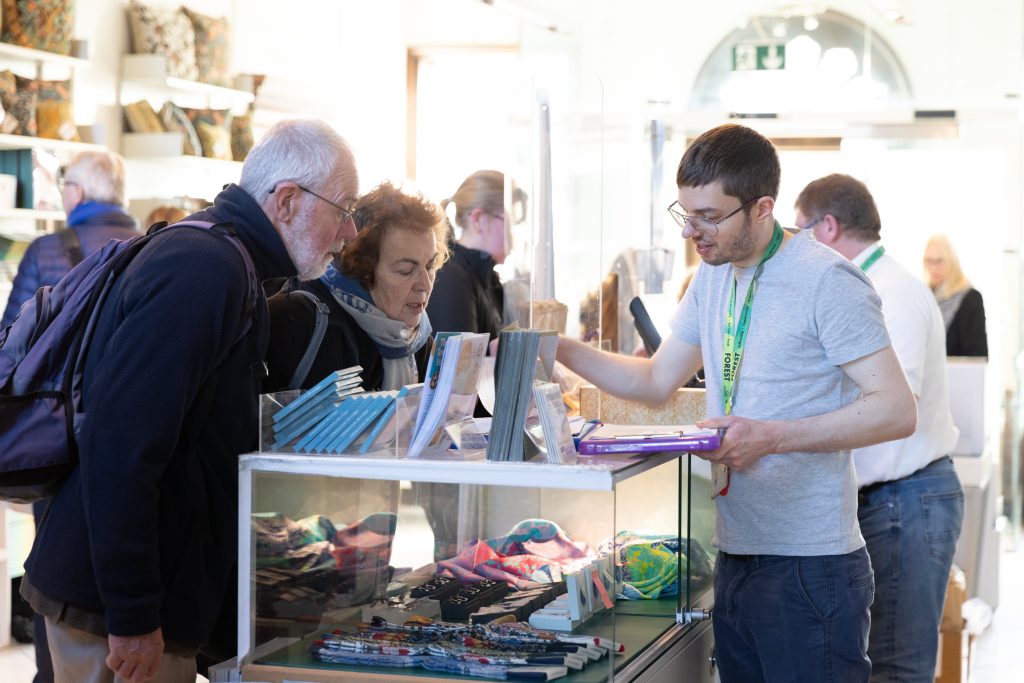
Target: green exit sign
758, 57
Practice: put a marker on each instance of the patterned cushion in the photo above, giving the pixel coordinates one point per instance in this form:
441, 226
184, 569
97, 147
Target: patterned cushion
8, 83
54, 115
212, 51
216, 141
19, 97
165, 32
175, 120
40, 24
141, 118
241, 136
214, 118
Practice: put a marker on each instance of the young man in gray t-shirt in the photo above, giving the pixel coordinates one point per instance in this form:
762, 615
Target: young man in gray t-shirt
799, 371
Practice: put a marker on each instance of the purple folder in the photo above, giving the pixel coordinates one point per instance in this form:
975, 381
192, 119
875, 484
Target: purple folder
610, 438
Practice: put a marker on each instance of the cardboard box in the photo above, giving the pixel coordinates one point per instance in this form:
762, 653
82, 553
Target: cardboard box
956, 594
955, 644
684, 408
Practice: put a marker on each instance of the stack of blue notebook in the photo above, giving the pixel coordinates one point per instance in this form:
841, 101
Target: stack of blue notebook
331, 416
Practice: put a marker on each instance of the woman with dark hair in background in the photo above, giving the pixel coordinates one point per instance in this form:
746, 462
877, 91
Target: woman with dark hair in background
962, 307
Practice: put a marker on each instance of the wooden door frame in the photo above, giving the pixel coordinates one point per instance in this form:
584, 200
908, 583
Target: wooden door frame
412, 64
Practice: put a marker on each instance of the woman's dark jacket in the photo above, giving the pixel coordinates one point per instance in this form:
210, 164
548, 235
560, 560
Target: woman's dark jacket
467, 295
345, 344
966, 335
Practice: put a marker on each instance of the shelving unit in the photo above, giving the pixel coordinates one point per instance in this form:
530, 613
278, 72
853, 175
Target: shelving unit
26, 221
144, 76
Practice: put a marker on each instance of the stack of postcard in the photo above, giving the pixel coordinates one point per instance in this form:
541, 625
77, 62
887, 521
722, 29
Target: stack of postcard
524, 356
556, 434
450, 390
296, 419
336, 416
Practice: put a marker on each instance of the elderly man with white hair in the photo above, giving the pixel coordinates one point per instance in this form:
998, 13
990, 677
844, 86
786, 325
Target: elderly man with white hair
133, 564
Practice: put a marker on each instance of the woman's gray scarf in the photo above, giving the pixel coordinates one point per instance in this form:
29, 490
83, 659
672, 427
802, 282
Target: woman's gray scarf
396, 342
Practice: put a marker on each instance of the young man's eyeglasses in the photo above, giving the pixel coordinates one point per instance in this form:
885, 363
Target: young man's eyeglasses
702, 223
346, 214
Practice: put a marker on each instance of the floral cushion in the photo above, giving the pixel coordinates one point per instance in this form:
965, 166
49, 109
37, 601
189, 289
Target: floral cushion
212, 50
241, 136
141, 118
216, 141
40, 24
175, 120
19, 97
54, 114
166, 32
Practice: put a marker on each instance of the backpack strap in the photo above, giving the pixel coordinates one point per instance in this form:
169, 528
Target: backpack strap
72, 246
250, 268
319, 328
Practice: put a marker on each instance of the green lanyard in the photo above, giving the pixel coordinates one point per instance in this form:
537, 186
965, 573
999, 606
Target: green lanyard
870, 260
736, 338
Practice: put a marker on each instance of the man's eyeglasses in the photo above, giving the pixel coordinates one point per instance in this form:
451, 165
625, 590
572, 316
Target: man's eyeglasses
701, 223
812, 223
346, 214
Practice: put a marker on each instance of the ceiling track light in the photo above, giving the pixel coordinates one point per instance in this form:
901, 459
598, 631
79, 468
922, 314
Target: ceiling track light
518, 11
894, 11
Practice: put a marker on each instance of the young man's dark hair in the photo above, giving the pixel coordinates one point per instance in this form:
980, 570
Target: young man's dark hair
741, 159
847, 200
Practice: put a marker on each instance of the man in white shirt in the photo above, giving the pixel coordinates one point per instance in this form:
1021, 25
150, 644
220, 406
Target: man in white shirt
910, 499
797, 380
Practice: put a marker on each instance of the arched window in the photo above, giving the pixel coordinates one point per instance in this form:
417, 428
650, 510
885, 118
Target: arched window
801, 63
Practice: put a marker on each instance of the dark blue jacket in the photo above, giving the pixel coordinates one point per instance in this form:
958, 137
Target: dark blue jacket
46, 262
144, 530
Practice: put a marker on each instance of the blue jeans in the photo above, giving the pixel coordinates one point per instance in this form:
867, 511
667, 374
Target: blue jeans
800, 619
911, 526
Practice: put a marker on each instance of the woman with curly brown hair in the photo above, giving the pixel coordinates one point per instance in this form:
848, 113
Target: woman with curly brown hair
376, 292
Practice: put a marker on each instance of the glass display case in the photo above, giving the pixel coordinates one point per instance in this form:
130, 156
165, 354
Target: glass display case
334, 551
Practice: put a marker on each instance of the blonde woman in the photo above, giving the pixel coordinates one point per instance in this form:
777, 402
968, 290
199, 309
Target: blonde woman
963, 310
468, 295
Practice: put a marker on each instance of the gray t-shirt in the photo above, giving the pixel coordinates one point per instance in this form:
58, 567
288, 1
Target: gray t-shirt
812, 312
